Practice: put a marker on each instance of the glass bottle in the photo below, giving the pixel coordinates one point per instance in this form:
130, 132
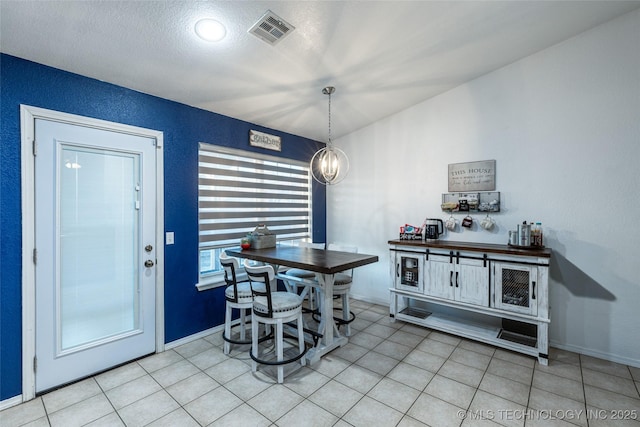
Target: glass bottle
538, 239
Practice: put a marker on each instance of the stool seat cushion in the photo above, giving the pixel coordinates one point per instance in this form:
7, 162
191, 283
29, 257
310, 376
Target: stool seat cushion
281, 301
244, 291
341, 279
341, 283
303, 274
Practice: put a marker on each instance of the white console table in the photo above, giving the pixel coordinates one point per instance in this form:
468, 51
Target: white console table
495, 294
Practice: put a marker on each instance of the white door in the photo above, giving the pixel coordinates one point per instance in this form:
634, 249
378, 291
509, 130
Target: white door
472, 282
439, 277
95, 234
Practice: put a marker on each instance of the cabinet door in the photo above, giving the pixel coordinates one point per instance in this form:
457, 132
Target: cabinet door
471, 282
515, 288
408, 271
439, 280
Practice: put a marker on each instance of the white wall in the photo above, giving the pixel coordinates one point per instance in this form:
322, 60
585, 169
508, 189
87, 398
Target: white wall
564, 128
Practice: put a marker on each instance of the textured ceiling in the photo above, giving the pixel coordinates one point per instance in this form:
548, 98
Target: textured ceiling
382, 56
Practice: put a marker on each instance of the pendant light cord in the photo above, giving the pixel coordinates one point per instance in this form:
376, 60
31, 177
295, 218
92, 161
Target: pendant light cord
329, 118
328, 91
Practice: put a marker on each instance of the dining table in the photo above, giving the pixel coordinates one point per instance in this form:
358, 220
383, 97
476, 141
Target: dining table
325, 264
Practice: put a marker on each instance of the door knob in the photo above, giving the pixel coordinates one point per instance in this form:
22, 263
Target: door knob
148, 263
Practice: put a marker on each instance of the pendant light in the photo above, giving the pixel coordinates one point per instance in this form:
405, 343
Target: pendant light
329, 165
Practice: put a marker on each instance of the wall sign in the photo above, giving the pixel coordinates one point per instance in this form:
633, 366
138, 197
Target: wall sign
472, 176
264, 140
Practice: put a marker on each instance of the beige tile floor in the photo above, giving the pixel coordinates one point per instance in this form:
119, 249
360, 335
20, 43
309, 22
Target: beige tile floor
389, 374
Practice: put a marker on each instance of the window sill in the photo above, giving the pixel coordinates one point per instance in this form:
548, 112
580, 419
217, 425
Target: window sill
207, 283
216, 282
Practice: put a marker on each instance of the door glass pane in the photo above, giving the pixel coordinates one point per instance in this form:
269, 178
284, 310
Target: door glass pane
97, 294
410, 273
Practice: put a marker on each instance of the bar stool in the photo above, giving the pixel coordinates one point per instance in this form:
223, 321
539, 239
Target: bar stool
237, 295
273, 308
299, 278
342, 287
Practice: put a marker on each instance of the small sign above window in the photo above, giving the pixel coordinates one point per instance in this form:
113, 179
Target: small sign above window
472, 176
264, 140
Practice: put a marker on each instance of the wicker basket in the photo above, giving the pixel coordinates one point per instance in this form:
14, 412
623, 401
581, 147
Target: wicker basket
262, 238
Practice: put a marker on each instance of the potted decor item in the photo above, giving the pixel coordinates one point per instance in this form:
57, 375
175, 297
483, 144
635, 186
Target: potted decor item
245, 242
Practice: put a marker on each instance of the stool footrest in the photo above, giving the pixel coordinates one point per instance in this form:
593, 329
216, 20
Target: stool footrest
338, 320
278, 362
247, 341
314, 334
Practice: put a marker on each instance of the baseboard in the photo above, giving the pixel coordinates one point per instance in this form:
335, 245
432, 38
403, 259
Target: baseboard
12, 401
598, 354
368, 299
196, 336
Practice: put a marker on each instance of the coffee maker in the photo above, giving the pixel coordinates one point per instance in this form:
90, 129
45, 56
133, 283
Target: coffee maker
433, 228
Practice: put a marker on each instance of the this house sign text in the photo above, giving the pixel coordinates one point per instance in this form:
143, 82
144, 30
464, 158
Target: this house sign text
472, 176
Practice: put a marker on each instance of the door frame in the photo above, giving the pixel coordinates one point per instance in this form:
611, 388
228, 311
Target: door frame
28, 115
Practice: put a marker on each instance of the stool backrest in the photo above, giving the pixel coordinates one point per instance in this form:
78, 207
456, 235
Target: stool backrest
262, 274
230, 266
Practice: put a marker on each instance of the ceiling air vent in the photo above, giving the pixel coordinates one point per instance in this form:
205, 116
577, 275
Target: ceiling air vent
271, 28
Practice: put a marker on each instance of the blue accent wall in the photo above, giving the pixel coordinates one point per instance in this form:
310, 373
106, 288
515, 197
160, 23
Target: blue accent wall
187, 311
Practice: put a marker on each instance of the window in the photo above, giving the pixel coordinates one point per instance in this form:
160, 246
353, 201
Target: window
239, 190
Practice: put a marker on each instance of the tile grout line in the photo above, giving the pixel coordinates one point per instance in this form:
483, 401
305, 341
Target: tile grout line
109, 400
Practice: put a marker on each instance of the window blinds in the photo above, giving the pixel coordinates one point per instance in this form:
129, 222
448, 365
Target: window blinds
239, 190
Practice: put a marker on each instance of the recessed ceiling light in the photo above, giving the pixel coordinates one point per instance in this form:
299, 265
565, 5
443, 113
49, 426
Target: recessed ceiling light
210, 30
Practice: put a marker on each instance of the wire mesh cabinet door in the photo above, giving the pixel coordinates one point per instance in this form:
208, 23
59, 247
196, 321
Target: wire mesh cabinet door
515, 288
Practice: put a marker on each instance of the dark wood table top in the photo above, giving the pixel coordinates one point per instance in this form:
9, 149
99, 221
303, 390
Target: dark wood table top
478, 247
317, 260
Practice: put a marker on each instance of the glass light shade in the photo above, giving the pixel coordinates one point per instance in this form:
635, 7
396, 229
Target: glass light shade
329, 165
210, 30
